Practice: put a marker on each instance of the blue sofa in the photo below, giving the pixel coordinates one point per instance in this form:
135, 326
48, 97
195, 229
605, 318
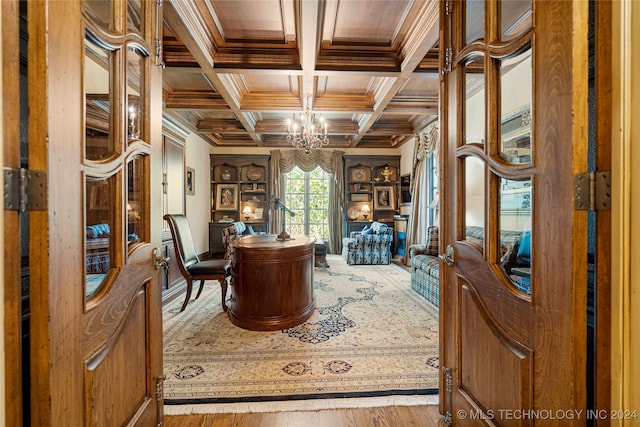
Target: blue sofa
425, 264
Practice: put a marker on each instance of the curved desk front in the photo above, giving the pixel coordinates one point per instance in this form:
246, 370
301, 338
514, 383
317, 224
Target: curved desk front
272, 282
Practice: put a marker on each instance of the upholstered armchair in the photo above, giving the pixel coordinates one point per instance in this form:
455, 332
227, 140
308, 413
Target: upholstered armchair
233, 232
372, 245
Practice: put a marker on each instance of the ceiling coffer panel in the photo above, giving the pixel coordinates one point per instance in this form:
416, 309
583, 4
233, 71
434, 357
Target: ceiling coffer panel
236, 70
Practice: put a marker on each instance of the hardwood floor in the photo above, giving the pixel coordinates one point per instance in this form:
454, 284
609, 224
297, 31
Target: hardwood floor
419, 416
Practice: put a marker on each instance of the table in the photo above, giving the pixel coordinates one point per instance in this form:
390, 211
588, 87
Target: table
272, 284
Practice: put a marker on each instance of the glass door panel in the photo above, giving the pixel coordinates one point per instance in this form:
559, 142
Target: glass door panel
134, 15
474, 202
474, 16
135, 199
516, 114
98, 66
515, 18
99, 215
516, 205
135, 109
475, 101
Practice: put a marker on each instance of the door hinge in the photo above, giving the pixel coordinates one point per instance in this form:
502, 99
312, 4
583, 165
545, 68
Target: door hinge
592, 191
448, 381
159, 396
448, 55
24, 190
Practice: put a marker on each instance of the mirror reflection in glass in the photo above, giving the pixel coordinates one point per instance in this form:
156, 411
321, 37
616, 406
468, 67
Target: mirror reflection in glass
135, 109
515, 18
516, 118
474, 109
515, 231
474, 20
135, 201
98, 236
97, 87
474, 200
134, 15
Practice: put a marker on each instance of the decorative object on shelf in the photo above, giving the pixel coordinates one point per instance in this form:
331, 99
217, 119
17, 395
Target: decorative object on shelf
307, 133
226, 175
365, 211
377, 179
358, 174
257, 213
360, 197
384, 198
247, 212
352, 214
386, 173
227, 197
254, 174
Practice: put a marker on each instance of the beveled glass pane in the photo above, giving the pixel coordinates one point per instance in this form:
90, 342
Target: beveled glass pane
515, 18
134, 15
135, 108
474, 202
98, 100
135, 200
98, 237
515, 231
101, 11
515, 127
475, 101
474, 18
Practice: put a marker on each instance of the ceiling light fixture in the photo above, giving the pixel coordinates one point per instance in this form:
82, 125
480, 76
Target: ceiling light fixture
307, 133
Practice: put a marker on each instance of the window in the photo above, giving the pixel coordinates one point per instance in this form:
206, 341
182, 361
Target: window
306, 194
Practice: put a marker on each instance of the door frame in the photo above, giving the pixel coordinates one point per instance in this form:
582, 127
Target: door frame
625, 134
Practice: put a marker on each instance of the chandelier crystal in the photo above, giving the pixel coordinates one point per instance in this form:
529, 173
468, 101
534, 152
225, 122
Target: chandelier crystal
306, 132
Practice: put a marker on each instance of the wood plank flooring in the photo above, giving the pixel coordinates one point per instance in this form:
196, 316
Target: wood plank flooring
392, 416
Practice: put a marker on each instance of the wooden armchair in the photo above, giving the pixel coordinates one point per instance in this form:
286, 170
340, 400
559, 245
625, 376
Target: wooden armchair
190, 265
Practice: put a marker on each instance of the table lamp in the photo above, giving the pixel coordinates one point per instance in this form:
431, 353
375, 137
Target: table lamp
247, 212
365, 211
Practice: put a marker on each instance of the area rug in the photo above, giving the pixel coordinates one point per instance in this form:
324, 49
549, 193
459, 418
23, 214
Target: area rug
370, 335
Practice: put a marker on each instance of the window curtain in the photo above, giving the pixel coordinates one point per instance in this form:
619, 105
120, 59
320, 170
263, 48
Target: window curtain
330, 162
426, 145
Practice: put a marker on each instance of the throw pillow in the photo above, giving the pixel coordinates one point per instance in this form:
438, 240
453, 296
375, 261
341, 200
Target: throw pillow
367, 230
433, 245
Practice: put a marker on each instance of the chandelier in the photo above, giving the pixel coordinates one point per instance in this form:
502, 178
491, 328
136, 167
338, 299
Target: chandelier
306, 133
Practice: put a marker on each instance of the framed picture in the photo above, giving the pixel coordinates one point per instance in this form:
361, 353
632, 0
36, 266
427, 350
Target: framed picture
257, 213
359, 174
190, 182
227, 197
384, 198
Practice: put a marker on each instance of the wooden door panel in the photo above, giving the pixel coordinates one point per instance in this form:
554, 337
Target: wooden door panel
116, 376
482, 337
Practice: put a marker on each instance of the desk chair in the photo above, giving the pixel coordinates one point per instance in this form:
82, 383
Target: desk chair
190, 265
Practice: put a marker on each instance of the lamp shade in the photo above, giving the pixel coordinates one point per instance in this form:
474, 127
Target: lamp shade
365, 208
247, 210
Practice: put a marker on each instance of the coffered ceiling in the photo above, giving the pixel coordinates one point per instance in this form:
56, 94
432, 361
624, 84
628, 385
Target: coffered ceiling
236, 70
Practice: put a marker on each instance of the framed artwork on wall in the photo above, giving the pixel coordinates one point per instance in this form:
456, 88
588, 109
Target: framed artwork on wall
190, 182
384, 198
227, 197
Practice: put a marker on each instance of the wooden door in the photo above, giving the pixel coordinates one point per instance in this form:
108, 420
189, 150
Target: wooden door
514, 134
94, 125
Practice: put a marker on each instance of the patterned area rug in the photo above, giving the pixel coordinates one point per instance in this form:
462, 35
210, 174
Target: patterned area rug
370, 335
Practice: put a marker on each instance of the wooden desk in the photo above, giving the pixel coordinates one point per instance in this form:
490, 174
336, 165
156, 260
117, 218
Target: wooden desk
272, 282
